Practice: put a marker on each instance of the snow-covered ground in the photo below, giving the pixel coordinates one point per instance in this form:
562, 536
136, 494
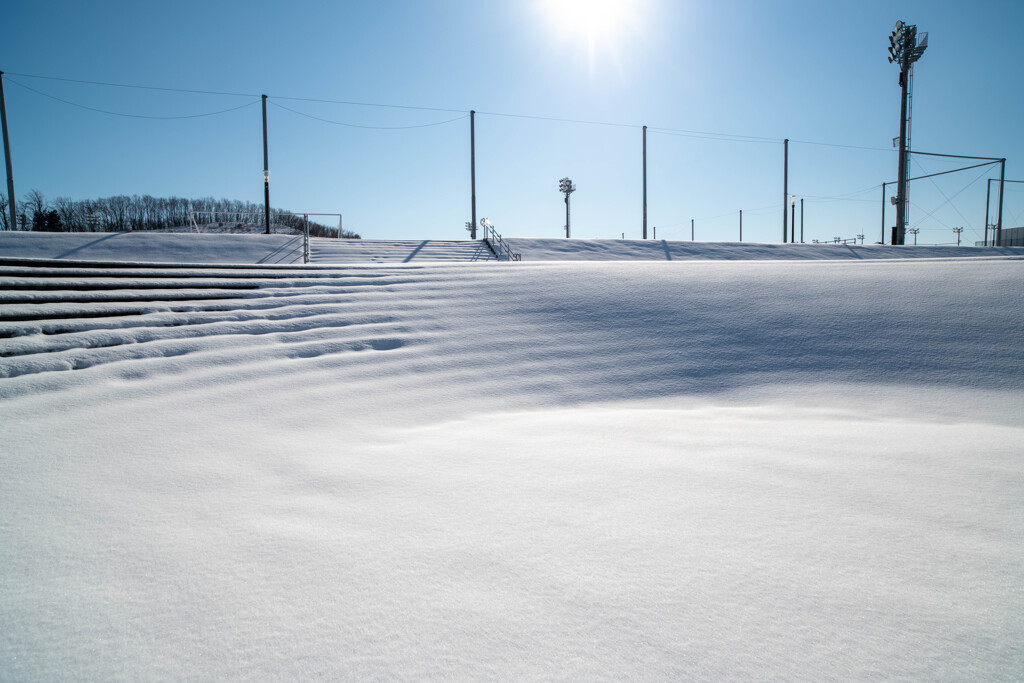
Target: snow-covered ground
279, 249
687, 469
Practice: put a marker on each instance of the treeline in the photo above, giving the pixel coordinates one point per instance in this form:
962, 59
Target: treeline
122, 213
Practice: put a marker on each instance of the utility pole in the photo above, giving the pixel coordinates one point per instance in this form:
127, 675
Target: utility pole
914, 231
691, 230
741, 225
645, 184
801, 220
266, 171
956, 230
785, 185
12, 205
472, 172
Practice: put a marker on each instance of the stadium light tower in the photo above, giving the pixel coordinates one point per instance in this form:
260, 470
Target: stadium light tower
904, 49
566, 187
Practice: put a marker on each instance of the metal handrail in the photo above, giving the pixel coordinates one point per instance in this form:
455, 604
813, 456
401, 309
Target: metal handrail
503, 252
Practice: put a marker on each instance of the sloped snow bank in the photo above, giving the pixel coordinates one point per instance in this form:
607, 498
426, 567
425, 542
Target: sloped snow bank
153, 247
549, 249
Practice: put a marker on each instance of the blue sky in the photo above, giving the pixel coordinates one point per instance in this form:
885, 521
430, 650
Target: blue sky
808, 71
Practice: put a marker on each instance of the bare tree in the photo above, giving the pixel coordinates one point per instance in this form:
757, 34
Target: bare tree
70, 214
36, 203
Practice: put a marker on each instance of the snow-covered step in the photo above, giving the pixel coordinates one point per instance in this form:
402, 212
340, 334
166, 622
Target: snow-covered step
324, 250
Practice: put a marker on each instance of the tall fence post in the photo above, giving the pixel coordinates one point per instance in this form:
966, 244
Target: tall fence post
999, 221
785, 186
472, 173
266, 170
645, 185
988, 194
883, 214
12, 204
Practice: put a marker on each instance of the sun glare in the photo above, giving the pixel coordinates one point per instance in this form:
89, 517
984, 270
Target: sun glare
601, 28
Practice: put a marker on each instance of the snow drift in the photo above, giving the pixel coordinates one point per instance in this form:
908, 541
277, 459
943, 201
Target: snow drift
591, 470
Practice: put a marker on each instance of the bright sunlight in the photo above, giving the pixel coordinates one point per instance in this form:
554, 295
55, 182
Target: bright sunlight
601, 28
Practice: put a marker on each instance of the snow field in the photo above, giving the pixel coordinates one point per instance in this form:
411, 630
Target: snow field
698, 470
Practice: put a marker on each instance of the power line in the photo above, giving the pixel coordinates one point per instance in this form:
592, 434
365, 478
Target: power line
230, 94
132, 116
819, 198
368, 104
560, 120
353, 125
834, 144
681, 132
136, 87
710, 135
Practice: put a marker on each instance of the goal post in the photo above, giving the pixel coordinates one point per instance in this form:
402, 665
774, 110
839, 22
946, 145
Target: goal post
236, 217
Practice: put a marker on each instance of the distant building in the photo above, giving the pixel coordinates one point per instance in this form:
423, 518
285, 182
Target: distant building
1012, 237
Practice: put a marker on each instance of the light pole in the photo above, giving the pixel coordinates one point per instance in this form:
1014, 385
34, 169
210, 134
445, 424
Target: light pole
914, 231
957, 231
792, 219
905, 49
566, 187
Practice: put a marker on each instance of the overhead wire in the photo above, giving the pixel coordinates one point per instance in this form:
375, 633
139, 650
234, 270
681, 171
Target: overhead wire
712, 135
132, 116
931, 179
126, 85
559, 120
353, 125
367, 104
950, 199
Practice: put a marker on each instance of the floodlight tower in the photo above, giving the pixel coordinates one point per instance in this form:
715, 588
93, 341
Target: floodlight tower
905, 49
566, 187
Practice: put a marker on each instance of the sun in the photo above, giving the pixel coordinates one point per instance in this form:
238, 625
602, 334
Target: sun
599, 29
